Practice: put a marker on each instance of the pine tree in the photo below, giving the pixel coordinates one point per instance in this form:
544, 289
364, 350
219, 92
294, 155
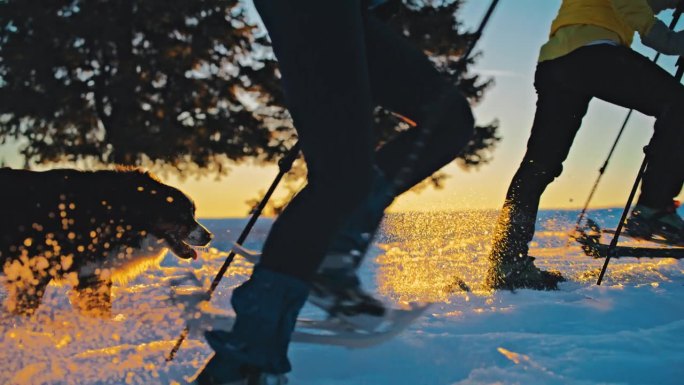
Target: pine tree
191, 85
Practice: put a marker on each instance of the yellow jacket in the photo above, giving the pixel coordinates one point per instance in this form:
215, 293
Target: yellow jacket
580, 22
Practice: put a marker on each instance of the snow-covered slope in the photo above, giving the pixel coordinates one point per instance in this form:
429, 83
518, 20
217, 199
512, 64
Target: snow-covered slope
628, 331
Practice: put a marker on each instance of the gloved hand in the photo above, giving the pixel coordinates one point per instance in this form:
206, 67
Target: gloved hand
661, 5
664, 40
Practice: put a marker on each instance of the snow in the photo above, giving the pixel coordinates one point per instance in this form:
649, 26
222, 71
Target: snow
627, 331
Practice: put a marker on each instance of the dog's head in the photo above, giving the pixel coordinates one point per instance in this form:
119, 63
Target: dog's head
171, 216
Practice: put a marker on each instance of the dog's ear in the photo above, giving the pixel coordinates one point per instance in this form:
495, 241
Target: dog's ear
136, 172
127, 169
152, 176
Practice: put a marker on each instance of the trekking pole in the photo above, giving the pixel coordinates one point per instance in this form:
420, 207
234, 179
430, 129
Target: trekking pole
284, 166
603, 168
644, 165
675, 19
618, 230
680, 68
480, 29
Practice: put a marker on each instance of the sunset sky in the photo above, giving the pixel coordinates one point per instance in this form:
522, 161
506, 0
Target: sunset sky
509, 53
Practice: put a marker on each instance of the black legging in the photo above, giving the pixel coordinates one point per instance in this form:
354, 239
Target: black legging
565, 86
337, 62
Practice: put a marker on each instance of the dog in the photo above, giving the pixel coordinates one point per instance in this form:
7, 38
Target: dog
88, 229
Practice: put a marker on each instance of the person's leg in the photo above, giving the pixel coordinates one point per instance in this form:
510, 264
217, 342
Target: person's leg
328, 94
626, 78
655, 214
404, 81
558, 117
320, 49
617, 75
644, 86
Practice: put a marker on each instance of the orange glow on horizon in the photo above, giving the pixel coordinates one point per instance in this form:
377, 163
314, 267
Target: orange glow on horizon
476, 190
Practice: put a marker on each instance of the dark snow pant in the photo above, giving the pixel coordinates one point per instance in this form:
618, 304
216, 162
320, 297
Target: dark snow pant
564, 87
337, 63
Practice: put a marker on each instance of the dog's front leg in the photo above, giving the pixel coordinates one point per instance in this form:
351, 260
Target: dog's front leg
24, 295
93, 296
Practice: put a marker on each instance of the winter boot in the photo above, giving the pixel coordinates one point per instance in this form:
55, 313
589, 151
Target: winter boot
339, 293
255, 351
510, 266
254, 378
646, 223
336, 288
521, 273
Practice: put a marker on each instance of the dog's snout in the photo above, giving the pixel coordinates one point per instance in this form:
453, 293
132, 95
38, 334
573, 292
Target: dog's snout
199, 236
206, 234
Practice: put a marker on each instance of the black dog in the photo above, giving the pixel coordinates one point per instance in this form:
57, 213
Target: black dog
88, 228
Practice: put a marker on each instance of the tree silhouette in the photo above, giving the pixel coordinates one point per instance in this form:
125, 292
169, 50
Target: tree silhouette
191, 85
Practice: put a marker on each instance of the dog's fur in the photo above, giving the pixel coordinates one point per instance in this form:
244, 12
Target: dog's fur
88, 228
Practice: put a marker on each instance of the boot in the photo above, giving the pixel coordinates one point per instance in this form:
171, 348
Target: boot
646, 222
521, 273
255, 351
510, 265
254, 378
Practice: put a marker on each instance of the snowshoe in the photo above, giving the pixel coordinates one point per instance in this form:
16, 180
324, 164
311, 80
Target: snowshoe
590, 239
342, 331
651, 224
